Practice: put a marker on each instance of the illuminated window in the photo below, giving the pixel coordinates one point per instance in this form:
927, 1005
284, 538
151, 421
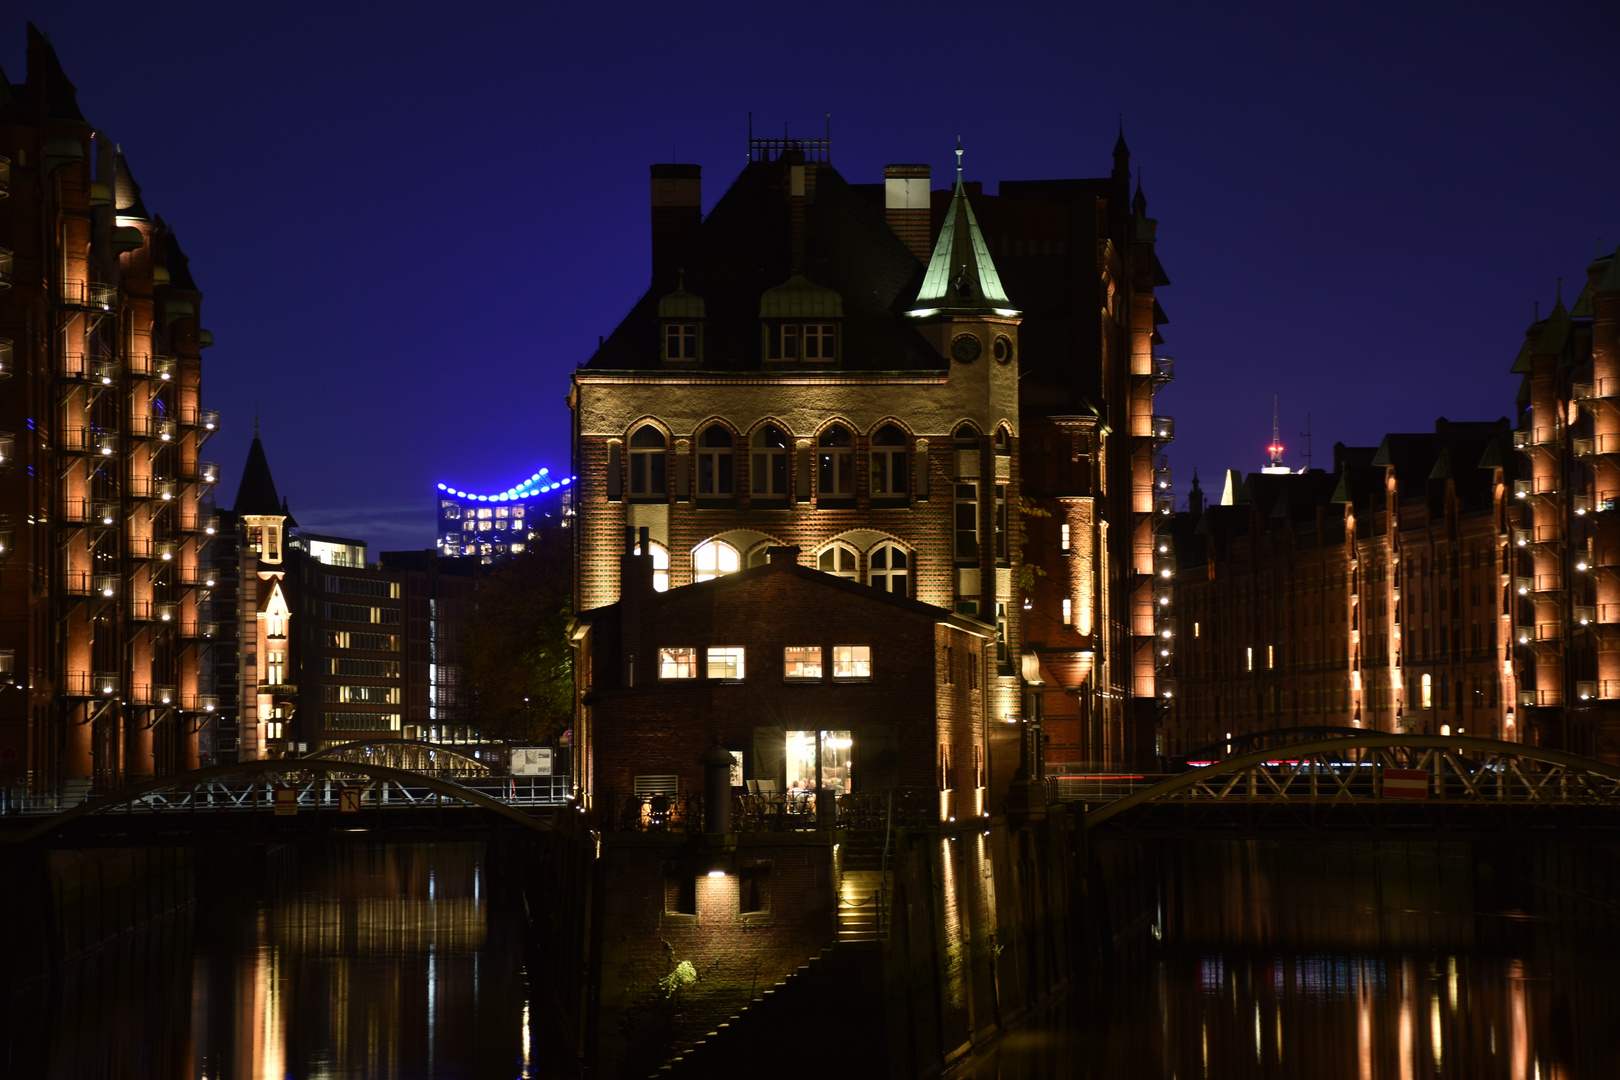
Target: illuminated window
677, 663
680, 341
660, 557
770, 468
517, 511
836, 462
889, 462
1063, 536
451, 510
1249, 652
889, 569
852, 661
839, 560
801, 662
500, 511
1271, 656
646, 461
715, 462
1068, 612
1428, 692
712, 558
517, 549
725, 663
485, 512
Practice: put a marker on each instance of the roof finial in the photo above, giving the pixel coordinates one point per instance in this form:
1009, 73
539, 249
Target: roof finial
255, 425
959, 161
1560, 290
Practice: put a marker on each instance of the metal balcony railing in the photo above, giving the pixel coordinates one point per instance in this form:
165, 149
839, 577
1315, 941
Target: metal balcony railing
75, 511
1580, 504
1608, 614
1545, 485
1549, 534
104, 513
139, 610
8, 448
7, 358
76, 583
1524, 635
1583, 448
1164, 368
197, 522
1582, 391
1585, 615
85, 684
1521, 537
104, 585
1527, 699
1524, 585
1164, 503
5, 268
195, 575
1549, 631
1521, 441
199, 629
1607, 442
166, 612
1546, 583
1542, 436
1521, 489
138, 547
199, 702
8, 666
166, 550
91, 294
1609, 689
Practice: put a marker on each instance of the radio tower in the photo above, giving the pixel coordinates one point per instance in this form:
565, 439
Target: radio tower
1276, 447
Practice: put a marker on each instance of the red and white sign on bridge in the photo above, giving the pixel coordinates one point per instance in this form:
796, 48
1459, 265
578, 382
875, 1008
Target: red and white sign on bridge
1406, 783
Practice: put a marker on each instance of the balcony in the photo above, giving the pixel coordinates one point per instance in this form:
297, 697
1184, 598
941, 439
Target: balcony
1549, 631
89, 294
8, 450
139, 611
138, 547
198, 522
1164, 503
160, 428
75, 511
206, 703
166, 612
88, 441
1583, 391
7, 358
85, 685
1549, 583
1608, 442
1583, 448
1585, 615
1164, 368
5, 268
205, 419
166, 550
76, 583
104, 585
1544, 436
1580, 504
1163, 428
1549, 534
1524, 585
195, 575
1166, 686
153, 487
1521, 537
8, 667
199, 630
1609, 689
1521, 489
1586, 689
1608, 614
1545, 485
1527, 699
1521, 441
104, 513
1524, 635
201, 472
159, 368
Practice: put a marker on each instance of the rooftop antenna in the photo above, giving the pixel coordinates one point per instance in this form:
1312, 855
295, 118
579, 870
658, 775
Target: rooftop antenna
959, 161
1306, 435
1276, 447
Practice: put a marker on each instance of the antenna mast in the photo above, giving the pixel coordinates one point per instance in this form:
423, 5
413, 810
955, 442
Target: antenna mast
1276, 447
1306, 435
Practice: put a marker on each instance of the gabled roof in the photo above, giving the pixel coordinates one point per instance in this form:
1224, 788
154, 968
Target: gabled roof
256, 494
126, 192
962, 278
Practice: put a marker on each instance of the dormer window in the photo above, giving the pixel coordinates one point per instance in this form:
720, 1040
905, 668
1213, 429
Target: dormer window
804, 341
680, 341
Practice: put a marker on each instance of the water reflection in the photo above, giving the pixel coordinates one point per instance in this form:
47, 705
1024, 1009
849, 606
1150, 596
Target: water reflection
1410, 963
321, 962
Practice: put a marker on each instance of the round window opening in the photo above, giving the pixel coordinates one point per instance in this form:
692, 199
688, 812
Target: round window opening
966, 348
1002, 350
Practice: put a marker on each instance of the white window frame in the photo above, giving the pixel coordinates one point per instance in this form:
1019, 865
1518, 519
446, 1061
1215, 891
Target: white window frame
726, 662
852, 661
679, 662
796, 668
882, 578
764, 460
842, 553
706, 568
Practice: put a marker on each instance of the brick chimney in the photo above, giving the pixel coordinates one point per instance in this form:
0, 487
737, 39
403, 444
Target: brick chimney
677, 210
905, 205
635, 588
782, 556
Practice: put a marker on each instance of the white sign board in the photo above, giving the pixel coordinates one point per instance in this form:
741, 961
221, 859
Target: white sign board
531, 761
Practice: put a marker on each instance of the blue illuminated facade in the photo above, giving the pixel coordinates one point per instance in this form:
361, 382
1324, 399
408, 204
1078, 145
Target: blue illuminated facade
493, 526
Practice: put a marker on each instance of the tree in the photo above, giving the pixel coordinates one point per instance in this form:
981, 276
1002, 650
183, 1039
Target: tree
520, 665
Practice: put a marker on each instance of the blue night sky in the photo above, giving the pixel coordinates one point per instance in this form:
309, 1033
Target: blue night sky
411, 222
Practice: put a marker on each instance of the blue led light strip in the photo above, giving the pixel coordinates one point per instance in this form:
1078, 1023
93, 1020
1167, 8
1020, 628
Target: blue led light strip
538, 484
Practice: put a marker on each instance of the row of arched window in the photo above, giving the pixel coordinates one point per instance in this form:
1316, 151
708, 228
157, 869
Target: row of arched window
888, 564
769, 464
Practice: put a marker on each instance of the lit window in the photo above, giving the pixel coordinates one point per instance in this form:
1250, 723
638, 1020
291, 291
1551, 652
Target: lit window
1428, 692
712, 558
715, 462
889, 471
500, 511
801, 662
485, 512
839, 560
517, 549
660, 556
1271, 656
485, 526
770, 469
889, 569
1063, 536
647, 461
677, 663
852, 661
1068, 612
726, 663
836, 462
1250, 657
517, 511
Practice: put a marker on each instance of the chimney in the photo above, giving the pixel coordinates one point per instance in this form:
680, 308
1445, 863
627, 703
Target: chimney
635, 587
905, 206
677, 210
782, 556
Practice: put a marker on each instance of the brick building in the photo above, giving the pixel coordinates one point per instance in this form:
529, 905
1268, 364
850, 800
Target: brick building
106, 509
812, 681
1367, 597
933, 393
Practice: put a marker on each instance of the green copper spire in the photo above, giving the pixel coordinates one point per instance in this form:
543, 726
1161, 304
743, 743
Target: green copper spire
961, 278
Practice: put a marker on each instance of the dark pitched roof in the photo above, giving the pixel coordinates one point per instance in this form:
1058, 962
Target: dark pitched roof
60, 92
178, 265
256, 494
744, 248
126, 192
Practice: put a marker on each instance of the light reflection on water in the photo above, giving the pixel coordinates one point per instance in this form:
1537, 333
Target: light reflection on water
1271, 964
329, 963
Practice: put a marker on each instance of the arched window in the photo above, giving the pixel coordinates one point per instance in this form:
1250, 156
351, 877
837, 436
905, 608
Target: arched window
836, 457
1003, 440
889, 569
769, 478
889, 471
712, 558
660, 556
840, 560
647, 461
714, 462
966, 435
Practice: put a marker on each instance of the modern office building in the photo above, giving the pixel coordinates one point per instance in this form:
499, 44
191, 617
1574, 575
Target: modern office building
943, 394
105, 505
494, 525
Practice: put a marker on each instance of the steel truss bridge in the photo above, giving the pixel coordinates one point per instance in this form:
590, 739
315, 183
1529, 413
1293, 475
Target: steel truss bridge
300, 799
1373, 784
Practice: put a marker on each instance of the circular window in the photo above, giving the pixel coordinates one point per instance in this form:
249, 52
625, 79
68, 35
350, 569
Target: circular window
1002, 349
966, 348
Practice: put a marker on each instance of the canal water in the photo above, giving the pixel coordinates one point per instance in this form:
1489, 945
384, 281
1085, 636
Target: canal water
1237, 960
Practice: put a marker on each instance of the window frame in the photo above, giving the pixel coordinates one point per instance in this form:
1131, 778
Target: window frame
857, 657
890, 465
764, 460
671, 665
886, 573
687, 335
820, 664
702, 573
839, 548
716, 464
714, 653
646, 462
836, 461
